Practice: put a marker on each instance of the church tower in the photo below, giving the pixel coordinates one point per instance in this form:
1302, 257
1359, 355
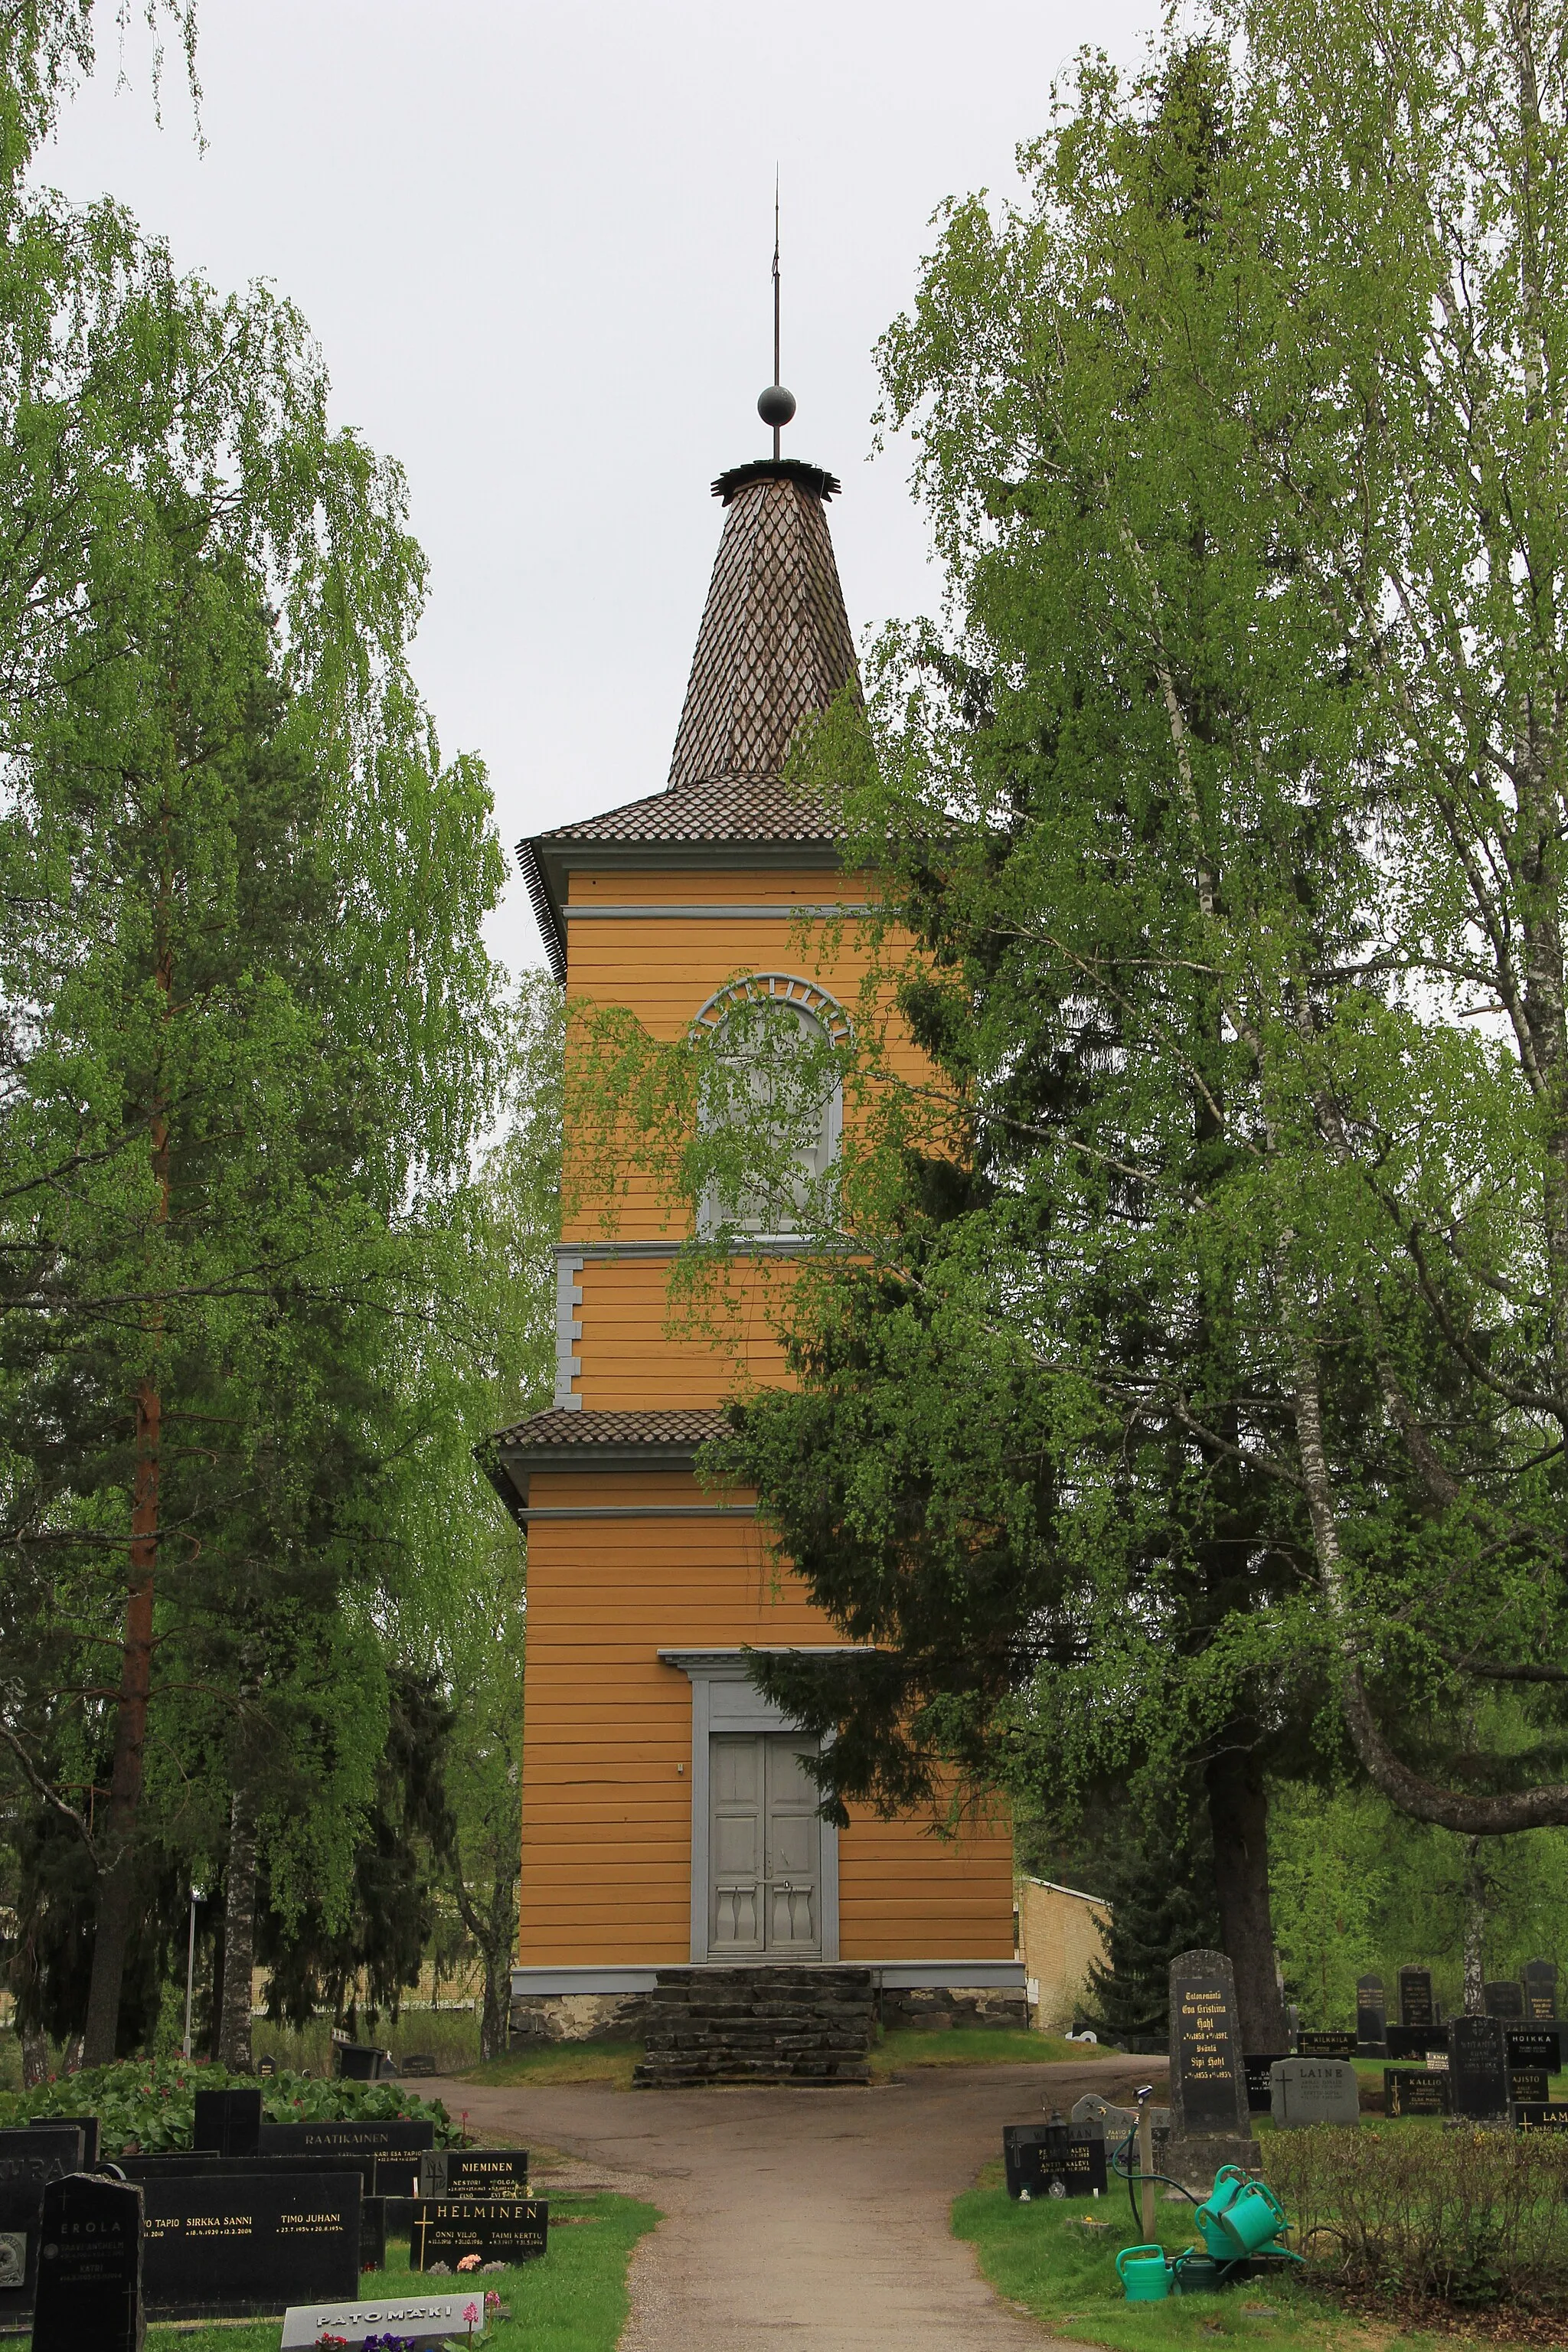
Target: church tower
668, 1826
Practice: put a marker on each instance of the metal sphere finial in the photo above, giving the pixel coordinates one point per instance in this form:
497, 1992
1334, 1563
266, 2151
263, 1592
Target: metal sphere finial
775, 405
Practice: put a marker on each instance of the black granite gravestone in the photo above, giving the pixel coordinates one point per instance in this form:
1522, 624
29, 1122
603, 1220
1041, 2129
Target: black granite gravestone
1416, 2006
1505, 1998
241, 2245
1053, 2159
418, 2063
1371, 2016
397, 2175
1210, 2121
372, 2234
496, 2228
1477, 2068
1549, 2115
359, 2064
474, 2172
228, 2121
1260, 2090
90, 2267
1535, 2045
1318, 2044
1528, 2084
267, 2066
1412, 2091
1540, 1992
86, 2124
365, 2138
29, 2160
1416, 2040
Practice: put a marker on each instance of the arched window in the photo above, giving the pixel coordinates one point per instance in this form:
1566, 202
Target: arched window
772, 1104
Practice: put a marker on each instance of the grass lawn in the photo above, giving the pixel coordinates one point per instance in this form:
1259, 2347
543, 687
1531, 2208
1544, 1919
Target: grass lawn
572, 2301
976, 2046
1040, 2257
560, 2062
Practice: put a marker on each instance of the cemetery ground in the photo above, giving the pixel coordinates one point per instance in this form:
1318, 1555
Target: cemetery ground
904, 2046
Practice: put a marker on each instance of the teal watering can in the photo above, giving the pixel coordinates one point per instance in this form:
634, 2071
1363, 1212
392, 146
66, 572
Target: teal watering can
1144, 2273
1241, 2217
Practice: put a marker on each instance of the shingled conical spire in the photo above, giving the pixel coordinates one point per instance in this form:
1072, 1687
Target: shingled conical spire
774, 645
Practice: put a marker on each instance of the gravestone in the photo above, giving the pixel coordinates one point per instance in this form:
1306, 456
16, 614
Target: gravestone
1314, 2091
1416, 2006
86, 2124
1477, 2068
1412, 2091
1506, 1999
267, 2066
1054, 2160
1528, 2084
396, 2176
1540, 1992
1371, 2016
372, 2234
29, 2160
1210, 2122
365, 2138
1549, 2115
424, 2320
1260, 2092
228, 2122
359, 2064
1416, 2040
474, 2172
419, 2063
243, 2246
496, 2228
1316, 2045
90, 2267
1535, 2045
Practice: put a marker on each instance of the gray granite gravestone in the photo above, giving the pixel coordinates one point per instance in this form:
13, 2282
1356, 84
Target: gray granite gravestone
1505, 1998
1314, 2091
1210, 2124
1477, 2068
1371, 2016
90, 2267
424, 2320
1416, 2002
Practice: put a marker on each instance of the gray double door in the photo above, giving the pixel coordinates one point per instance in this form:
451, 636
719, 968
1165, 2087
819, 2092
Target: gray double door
764, 1848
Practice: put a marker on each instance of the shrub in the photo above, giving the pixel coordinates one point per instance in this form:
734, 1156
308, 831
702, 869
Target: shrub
1465, 2216
153, 2104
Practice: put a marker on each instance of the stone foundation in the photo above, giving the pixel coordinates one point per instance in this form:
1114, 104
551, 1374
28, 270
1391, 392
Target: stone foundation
580, 2016
934, 2008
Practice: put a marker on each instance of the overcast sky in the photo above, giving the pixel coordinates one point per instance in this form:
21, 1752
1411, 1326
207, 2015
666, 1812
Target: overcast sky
533, 237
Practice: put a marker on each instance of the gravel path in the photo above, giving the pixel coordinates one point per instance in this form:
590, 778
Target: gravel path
812, 2219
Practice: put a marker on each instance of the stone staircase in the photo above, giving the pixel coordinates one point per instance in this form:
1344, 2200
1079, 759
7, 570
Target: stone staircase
770, 2022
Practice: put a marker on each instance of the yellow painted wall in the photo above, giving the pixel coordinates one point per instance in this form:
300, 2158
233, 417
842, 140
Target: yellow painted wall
1061, 1934
606, 1811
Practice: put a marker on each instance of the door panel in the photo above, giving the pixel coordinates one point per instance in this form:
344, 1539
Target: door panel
736, 1920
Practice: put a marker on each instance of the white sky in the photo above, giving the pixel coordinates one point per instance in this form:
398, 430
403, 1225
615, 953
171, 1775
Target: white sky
533, 237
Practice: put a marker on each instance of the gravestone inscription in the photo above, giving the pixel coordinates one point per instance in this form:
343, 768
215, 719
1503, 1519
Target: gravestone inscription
1260, 2090
1477, 2068
1371, 2016
1208, 2080
496, 2228
1539, 1990
228, 2122
1548, 2115
90, 2267
1527, 2083
1312, 2044
397, 2175
1314, 2091
86, 2124
1413, 2091
418, 2063
242, 2245
474, 2172
1054, 2160
422, 2320
1415, 2003
368, 2137
1505, 1998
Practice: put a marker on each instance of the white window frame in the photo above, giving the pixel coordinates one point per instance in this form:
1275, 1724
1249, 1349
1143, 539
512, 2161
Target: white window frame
803, 996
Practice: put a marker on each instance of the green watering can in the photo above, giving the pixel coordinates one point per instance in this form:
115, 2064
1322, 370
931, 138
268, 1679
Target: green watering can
1144, 2273
1241, 2217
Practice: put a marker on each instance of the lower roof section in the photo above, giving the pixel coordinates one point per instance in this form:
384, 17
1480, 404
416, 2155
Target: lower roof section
568, 1440
897, 1976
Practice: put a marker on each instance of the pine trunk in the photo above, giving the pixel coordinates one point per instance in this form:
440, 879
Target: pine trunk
1475, 1931
1238, 1818
238, 1937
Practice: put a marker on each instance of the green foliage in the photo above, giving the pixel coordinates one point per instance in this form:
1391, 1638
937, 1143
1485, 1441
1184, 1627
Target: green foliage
1160, 1886
151, 2105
